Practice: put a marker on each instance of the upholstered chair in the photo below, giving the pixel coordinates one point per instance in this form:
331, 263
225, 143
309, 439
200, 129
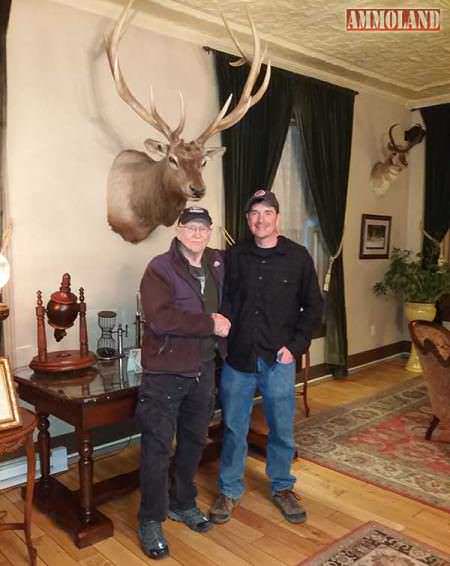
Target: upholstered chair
433, 347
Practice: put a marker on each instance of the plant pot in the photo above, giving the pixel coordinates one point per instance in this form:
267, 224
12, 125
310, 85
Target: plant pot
418, 311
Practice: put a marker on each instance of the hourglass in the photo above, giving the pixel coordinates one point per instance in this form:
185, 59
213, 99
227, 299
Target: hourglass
106, 344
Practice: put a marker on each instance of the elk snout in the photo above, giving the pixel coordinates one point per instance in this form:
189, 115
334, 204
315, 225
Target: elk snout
197, 193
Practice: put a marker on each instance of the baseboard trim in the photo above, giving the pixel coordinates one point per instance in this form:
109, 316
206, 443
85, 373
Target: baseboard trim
361, 359
369, 356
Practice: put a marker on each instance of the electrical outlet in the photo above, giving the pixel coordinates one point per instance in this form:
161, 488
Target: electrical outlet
372, 329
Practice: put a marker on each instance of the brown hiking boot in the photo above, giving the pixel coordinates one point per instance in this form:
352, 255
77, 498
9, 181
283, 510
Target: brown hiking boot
222, 508
287, 502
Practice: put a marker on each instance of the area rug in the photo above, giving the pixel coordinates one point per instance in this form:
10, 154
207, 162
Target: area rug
373, 544
380, 440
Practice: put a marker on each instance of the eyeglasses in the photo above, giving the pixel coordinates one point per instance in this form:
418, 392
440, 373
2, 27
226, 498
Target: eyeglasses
191, 230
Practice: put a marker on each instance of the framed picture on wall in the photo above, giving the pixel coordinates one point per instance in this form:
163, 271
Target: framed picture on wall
9, 410
375, 236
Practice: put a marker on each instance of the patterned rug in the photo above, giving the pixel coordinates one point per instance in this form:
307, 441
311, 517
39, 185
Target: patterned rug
376, 545
381, 440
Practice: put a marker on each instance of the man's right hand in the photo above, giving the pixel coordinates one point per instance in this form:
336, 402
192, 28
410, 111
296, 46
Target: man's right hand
221, 324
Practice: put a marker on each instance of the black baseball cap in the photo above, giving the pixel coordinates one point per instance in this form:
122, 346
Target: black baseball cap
261, 195
195, 213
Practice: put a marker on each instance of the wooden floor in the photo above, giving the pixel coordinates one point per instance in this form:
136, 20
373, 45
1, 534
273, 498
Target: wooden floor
257, 534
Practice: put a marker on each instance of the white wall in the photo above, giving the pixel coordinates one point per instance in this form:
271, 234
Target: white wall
416, 190
66, 124
372, 118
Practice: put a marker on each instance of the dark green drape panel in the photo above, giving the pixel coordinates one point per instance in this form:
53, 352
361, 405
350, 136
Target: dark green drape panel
254, 145
5, 6
437, 176
324, 114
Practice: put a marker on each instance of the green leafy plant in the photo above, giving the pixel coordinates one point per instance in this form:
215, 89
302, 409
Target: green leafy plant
414, 280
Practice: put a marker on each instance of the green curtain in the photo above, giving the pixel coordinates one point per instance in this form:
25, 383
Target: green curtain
324, 114
5, 7
254, 145
437, 176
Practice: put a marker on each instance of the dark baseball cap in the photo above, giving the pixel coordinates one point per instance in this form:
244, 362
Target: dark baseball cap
195, 213
261, 195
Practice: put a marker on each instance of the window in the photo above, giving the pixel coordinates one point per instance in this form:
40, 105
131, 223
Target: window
298, 218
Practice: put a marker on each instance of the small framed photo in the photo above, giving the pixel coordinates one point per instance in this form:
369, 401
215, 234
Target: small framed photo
9, 409
375, 236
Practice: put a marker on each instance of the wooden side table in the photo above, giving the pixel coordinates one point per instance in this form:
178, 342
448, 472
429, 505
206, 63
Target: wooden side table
11, 440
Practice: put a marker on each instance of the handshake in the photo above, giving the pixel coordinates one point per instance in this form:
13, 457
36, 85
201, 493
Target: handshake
221, 324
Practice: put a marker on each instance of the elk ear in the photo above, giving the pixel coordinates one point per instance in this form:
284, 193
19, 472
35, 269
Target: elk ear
212, 151
156, 148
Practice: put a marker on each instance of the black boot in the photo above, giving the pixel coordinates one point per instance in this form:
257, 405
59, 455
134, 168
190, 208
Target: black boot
152, 539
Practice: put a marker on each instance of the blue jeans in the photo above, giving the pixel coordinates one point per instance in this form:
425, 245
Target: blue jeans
276, 384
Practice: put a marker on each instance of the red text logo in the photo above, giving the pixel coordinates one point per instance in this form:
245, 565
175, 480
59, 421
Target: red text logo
393, 19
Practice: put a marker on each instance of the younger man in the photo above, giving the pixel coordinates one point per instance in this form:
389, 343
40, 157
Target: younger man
273, 301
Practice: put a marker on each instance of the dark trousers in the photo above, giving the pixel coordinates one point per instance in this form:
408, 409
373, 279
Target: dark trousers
169, 404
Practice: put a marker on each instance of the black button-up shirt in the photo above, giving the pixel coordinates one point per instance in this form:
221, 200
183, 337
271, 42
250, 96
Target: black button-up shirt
272, 298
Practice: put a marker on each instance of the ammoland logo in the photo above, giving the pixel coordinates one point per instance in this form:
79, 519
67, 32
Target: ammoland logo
393, 19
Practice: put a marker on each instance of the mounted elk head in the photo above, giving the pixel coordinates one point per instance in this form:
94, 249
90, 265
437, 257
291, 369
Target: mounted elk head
384, 173
144, 193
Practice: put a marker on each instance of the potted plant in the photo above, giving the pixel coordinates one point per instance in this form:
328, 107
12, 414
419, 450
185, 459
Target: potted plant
419, 284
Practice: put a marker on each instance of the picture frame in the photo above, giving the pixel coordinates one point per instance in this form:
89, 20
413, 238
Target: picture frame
375, 236
9, 408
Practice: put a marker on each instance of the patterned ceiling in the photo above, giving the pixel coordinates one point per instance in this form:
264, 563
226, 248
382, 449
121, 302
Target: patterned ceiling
310, 36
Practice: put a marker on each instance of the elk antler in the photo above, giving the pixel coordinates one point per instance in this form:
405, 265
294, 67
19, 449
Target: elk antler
150, 116
246, 100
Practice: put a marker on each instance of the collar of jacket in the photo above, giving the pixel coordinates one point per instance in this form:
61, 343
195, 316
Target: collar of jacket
281, 247
181, 264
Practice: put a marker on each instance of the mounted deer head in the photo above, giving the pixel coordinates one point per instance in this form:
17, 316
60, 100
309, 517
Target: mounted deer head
384, 173
142, 192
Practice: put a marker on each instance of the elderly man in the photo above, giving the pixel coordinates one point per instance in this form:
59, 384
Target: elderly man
181, 292
273, 301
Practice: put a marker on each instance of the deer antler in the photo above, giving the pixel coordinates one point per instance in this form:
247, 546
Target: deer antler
396, 147
150, 116
246, 100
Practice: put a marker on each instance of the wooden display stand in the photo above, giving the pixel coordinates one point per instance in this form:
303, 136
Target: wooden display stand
62, 311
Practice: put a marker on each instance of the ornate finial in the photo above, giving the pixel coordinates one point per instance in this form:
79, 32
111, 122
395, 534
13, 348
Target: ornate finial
39, 299
81, 291
65, 283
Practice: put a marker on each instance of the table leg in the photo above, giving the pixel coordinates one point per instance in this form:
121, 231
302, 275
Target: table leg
31, 472
44, 448
305, 372
85, 467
